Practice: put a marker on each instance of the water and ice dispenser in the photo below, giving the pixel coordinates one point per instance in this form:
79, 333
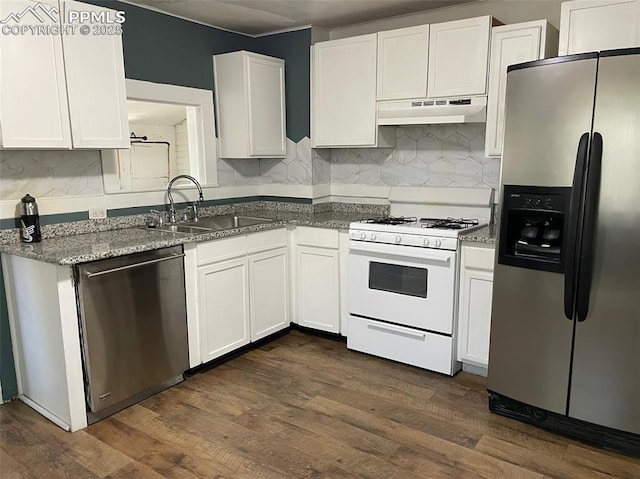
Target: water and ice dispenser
533, 227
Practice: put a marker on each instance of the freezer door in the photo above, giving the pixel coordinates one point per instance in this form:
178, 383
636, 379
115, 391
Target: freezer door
549, 107
605, 384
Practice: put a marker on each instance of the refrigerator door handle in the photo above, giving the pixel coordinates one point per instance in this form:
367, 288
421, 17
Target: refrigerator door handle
575, 223
592, 194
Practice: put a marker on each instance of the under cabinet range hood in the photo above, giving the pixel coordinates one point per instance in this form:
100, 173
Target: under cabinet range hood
433, 111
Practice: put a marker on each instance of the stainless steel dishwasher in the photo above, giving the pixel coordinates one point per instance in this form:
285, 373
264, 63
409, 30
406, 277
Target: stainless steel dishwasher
133, 324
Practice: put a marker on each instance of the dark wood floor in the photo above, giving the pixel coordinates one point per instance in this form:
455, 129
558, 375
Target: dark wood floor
303, 407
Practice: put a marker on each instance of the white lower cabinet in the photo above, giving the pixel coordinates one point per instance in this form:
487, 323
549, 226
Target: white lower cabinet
269, 295
242, 290
320, 269
318, 288
223, 290
474, 318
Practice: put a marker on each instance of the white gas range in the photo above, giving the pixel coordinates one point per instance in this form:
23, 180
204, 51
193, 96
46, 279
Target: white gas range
403, 276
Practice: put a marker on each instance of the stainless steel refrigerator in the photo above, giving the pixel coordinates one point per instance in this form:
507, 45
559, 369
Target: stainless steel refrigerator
565, 325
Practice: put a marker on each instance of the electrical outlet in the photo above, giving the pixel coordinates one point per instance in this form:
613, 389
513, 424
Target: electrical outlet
97, 213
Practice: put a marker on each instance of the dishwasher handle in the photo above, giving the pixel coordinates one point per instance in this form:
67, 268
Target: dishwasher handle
135, 265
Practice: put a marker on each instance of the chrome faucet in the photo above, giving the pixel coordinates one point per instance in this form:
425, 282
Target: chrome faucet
194, 206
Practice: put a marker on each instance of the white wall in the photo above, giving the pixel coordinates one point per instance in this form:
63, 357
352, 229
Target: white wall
182, 149
506, 11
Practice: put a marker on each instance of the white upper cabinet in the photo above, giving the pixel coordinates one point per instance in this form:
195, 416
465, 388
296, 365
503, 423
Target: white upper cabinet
94, 66
594, 25
511, 44
33, 93
250, 105
458, 57
62, 91
402, 63
343, 93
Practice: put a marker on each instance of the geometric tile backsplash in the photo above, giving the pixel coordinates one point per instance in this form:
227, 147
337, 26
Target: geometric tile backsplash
47, 173
429, 155
433, 155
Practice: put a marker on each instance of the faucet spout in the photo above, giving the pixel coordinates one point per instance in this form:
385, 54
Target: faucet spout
172, 210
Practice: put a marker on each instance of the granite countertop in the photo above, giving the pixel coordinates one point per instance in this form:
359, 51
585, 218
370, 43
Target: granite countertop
486, 234
82, 248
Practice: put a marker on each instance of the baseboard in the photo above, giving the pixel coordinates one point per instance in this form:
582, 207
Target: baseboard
593, 434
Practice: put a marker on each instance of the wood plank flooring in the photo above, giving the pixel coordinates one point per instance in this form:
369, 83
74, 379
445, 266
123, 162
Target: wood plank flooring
303, 407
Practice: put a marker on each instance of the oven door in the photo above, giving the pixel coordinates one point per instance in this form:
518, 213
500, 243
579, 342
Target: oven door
404, 285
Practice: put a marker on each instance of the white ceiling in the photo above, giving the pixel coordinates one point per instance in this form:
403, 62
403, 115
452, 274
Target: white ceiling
259, 17
149, 113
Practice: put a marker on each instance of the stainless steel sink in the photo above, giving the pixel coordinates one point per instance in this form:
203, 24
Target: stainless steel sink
226, 222
214, 223
183, 228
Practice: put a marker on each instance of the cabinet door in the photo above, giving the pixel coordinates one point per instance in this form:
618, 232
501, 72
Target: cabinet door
594, 25
510, 44
33, 95
318, 274
94, 67
474, 320
268, 292
267, 124
402, 63
343, 92
223, 307
458, 57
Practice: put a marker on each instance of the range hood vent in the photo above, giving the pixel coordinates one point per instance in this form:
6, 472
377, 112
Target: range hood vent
433, 111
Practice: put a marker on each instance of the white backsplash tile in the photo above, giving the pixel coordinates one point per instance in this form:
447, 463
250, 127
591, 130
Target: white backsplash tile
434, 155
50, 174
273, 170
392, 173
406, 148
442, 172
321, 166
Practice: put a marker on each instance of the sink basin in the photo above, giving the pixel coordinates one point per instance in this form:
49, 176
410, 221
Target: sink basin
182, 228
214, 223
227, 222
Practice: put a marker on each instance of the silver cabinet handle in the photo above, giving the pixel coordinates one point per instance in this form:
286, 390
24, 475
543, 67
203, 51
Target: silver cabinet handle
135, 265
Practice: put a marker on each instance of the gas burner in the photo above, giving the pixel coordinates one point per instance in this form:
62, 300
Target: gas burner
391, 220
448, 223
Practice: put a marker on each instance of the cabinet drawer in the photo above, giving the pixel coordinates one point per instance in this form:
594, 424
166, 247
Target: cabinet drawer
219, 249
266, 240
478, 258
418, 348
319, 237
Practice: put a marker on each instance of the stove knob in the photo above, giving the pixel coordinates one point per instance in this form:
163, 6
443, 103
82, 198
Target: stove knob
426, 241
373, 236
398, 239
438, 243
363, 235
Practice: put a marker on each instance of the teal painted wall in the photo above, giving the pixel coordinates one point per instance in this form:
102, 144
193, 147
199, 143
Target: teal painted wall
293, 47
164, 49
7, 367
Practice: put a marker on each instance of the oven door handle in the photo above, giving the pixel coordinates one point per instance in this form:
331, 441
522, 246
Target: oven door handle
388, 328
402, 252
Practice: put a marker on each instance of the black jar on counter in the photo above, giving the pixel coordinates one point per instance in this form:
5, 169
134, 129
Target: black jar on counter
29, 220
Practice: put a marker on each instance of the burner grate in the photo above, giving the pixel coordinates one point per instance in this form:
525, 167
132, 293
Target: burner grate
391, 220
448, 223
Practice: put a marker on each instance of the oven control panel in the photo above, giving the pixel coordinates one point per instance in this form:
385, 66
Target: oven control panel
404, 239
